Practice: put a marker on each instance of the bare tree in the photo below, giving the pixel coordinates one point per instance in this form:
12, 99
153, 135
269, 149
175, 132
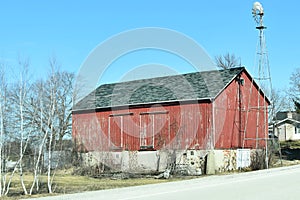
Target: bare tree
22, 97
294, 89
3, 120
35, 115
19, 99
57, 93
38, 114
53, 87
278, 103
51, 114
227, 61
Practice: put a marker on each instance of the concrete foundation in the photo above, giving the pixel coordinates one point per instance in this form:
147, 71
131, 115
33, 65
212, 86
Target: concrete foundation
189, 162
211, 163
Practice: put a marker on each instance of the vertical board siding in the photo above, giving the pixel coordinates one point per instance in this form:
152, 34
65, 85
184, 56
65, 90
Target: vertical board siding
192, 125
175, 126
236, 116
115, 131
155, 130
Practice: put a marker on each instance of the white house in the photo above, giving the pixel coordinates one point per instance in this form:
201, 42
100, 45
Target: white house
286, 126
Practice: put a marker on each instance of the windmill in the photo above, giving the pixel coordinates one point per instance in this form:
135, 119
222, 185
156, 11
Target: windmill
262, 76
261, 67
258, 13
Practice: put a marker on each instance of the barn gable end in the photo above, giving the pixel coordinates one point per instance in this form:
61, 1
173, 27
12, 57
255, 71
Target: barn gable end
236, 115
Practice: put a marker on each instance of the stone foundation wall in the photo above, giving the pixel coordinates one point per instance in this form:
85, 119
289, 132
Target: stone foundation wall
189, 162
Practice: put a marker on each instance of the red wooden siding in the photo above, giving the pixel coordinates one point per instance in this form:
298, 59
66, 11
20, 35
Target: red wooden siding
115, 131
190, 125
154, 129
254, 107
235, 114
173, 126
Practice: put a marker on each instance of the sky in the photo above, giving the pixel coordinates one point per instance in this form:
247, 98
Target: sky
71, 30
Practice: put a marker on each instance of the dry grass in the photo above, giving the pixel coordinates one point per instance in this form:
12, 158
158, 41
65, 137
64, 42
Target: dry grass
64, 182
290, 144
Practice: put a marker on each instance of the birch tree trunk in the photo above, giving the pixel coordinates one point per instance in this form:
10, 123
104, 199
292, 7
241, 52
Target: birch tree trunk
1, 144
36, 168
15, 169
2, 116
53, 103
46, 115
22, 96
54, 122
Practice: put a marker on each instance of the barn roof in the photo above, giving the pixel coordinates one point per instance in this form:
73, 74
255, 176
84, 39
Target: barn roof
191, 86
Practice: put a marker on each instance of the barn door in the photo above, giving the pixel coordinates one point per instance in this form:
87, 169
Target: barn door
119, 128
154, 130
146, 131
115, 132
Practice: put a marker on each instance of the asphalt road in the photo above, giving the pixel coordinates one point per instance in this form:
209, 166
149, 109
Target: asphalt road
273, 184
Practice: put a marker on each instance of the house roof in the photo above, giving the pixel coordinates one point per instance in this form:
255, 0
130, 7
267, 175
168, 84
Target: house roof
191, 86
285, 114
286, 117
287, 121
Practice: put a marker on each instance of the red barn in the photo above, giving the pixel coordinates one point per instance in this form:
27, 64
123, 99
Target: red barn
219, 109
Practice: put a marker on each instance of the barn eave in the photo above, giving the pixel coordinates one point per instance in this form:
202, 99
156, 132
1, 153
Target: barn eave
126, 106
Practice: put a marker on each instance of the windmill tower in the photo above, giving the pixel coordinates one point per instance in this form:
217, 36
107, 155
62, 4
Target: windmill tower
262, 76
262, 67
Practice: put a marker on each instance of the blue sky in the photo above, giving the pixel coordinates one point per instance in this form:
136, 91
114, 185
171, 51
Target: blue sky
70, 30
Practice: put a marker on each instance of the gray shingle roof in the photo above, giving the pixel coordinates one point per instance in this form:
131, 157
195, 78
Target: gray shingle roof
284, 115
191, 86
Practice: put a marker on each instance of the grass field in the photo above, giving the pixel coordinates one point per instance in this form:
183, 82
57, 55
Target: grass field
65, 182
290, 144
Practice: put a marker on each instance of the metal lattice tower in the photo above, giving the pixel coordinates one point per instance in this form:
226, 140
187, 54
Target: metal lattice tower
262, 76
262, 67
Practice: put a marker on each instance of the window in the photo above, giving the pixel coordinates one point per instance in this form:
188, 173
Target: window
297, 129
